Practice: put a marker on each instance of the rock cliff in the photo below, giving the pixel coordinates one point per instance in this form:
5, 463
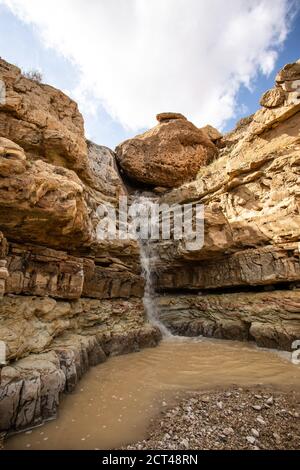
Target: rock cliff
69, 301
252, 231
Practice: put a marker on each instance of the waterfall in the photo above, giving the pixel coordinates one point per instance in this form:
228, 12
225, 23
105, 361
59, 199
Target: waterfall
148, 260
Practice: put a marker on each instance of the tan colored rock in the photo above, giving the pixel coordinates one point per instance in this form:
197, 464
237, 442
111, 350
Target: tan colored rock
251, 198
45, 204
289, 72
36, 270
167, 155
36, 324
251, 267
272, 319
273, 98
42, 120
212, 133
166, 117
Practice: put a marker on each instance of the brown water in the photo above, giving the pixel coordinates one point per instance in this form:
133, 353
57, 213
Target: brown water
116, 401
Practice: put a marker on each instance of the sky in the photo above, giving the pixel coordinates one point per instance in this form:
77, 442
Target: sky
124, 61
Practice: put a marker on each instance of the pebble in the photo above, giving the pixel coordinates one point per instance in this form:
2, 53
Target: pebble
257, 407
277, 437
185, 443
205, 399
193, 425
228, 431
260, 420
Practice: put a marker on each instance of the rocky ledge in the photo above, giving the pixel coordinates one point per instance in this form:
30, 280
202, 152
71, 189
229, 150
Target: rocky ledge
69, 301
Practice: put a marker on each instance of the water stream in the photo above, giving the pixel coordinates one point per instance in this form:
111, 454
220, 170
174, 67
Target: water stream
148, 258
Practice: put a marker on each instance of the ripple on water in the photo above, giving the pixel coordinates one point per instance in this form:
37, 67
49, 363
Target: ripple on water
118, 399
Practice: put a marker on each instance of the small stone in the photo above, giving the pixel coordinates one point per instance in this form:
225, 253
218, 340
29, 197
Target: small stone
185, 443
277, 437
228, 431
250, 439
260, 420
205, 399
270, 401
255, 432
257, 407
220, 405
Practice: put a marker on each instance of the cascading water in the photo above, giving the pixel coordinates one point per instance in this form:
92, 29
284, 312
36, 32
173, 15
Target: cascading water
148, 260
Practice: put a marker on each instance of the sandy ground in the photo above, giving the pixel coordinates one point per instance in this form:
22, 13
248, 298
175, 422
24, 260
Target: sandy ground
232, 419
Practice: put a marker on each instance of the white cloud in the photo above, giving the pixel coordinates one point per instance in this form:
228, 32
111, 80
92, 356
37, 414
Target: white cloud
141, 57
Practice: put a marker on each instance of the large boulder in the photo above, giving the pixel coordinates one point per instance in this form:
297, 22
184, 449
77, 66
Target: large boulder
167, 155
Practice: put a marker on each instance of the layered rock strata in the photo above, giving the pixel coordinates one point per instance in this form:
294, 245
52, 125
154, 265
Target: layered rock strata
250, 193
69, 300
252, 232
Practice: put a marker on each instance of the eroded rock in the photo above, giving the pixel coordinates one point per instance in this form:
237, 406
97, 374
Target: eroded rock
168, 155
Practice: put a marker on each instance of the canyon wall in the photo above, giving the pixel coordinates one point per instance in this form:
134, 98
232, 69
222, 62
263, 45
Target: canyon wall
69, 300
244, 283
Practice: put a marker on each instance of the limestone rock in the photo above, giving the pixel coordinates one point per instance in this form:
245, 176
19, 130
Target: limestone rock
252, 232
273, 98
30, 389
42, 120
253, 186
166, 117
46, 203
33, 324
168, 155
36, 270
269, 318
289, 72
212, 133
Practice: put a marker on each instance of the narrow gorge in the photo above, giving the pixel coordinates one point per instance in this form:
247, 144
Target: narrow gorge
70, 301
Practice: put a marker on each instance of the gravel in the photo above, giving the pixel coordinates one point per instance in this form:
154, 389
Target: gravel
232, 419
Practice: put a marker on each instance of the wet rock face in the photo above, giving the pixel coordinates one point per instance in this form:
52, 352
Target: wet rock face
169, 154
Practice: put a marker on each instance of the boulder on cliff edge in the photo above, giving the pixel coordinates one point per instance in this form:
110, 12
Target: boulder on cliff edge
167, 155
